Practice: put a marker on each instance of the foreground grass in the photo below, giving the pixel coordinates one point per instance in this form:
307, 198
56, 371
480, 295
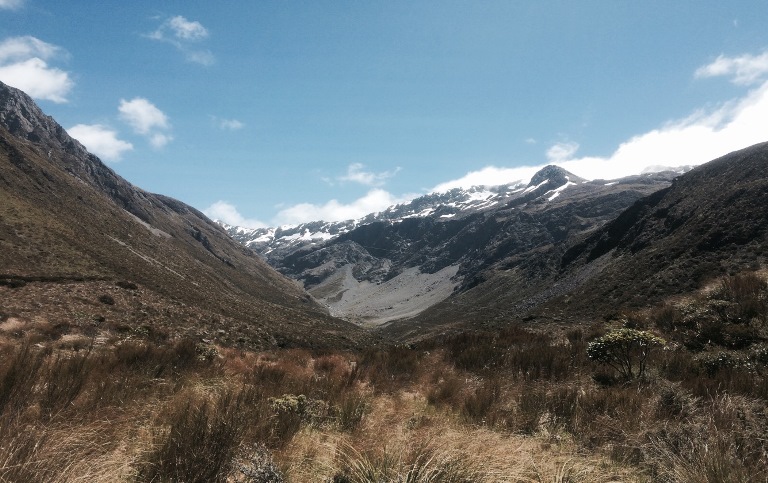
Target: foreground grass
508, 406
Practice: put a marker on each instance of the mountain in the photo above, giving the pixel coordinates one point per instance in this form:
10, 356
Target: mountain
709, 222
84, 250
275, 243
396, 264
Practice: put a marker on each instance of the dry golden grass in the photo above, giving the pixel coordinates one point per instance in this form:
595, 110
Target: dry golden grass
401, 428
511, 406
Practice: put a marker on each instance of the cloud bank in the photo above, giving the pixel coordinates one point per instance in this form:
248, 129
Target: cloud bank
702, 136
24, 65
333, 210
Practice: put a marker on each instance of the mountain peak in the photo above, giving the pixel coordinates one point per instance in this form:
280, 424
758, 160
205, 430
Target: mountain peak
554, 174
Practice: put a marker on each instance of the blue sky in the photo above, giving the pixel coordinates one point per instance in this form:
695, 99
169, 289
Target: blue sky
276, 112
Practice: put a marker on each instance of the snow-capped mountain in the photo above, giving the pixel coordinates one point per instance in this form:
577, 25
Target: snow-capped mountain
398, 262
456, 202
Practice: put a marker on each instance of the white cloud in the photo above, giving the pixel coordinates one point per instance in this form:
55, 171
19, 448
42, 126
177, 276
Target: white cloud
227, 212
100, 140
159, 140
142, 115
702, 136
202, 57
24, 65
333, 210
228, 124
356, 173
561, 151
745, 69
11, 4
186, 30
146, 119
184, 34
697, 139
23, 48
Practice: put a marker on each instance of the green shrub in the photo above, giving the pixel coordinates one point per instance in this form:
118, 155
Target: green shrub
625, 350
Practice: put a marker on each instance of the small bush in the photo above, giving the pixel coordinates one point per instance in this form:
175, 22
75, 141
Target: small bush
257, 466
625, 350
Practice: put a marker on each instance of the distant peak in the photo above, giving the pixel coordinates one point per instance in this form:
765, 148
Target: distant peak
554, 174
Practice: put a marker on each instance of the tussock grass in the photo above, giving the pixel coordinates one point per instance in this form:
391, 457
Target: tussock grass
514, 405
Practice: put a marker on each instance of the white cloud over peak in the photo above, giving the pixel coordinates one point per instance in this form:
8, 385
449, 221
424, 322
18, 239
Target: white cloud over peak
11, 4
22, 48
146, 119
356, 173
702, 136
745, 69
699, 138
24, 65
488, 176
184, 34
100, 140
227, 212
333, 210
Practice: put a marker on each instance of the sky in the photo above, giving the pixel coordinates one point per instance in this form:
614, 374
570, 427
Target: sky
266, 113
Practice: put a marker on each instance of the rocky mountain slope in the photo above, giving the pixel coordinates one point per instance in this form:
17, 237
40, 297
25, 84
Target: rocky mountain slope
83, 248
395, 264
709, 222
